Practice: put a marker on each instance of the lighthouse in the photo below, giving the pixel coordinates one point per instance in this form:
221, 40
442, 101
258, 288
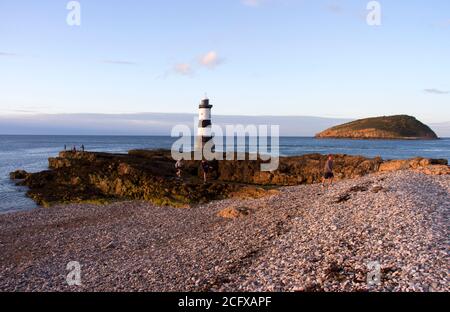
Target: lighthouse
204, 123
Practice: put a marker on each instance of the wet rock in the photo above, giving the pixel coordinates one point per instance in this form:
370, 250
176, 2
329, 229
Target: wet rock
18, 175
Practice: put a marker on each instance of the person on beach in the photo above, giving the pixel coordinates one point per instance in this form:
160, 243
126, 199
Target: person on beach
82, 147
328, 172
74, 149
179, 167
205, 168
65, 147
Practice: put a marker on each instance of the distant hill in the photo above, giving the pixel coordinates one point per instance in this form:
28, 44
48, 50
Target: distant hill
386, 127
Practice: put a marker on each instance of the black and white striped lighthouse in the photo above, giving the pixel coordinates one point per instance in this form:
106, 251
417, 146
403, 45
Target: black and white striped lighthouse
204, 123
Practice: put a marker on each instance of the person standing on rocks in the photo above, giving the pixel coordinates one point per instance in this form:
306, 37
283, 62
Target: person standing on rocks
205, 168
82, 147
328, 171
179, 167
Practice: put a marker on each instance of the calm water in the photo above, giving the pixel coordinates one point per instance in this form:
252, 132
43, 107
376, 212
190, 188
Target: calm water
31, 153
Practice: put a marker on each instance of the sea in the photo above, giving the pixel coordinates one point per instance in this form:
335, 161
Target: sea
31, 153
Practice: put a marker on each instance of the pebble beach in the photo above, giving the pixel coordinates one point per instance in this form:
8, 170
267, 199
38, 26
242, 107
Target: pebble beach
301, 238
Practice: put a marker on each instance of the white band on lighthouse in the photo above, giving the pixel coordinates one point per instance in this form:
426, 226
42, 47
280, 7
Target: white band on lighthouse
204, 114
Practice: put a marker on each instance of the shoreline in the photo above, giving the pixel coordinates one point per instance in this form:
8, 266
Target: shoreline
300, 239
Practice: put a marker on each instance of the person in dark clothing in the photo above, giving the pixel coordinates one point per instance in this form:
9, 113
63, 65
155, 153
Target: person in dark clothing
65, 147
82, 147
179, 165
328, 171
205, 168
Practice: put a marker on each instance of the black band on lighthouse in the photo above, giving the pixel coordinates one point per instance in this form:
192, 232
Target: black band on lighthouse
204, 123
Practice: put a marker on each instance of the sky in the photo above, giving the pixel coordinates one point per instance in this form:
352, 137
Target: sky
251, 57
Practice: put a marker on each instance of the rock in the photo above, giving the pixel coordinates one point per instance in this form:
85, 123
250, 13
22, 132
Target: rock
376, 189
110, 245
18, 175
435, 170
253, 192
343, 198
234, 212
414, 163
150, 175
358, 188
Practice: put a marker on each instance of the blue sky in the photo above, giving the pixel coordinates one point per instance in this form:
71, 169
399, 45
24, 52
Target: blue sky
266, 57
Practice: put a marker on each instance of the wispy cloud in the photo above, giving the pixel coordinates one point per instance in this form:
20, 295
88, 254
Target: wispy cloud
119, 62
184, 69
8, 54
436, 91
210, 60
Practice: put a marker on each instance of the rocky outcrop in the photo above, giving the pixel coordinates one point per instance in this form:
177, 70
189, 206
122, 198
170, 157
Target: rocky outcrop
425, 165
391, 127
18, 175
150, 175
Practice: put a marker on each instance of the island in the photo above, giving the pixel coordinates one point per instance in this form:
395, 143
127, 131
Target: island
401, 127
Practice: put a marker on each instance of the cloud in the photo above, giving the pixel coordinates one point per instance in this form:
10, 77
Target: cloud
118, 62
8, 54
210, 60
184, 69
436, 91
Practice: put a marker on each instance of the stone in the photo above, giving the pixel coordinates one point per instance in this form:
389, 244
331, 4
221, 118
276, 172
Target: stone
234, 212
376, 189
18, 175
